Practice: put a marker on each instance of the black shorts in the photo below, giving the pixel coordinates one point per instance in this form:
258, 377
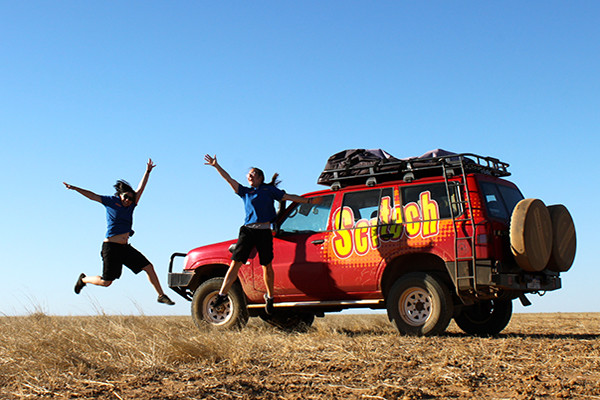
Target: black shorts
114, 255
250, 238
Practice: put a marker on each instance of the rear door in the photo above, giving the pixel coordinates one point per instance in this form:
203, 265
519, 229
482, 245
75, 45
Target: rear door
355, 259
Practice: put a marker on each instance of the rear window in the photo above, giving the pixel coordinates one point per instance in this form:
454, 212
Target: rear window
500, 200
439, 193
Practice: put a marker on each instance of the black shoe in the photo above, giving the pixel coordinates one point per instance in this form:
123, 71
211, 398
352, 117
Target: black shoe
163, 298
80, 284
220, 300
269, 309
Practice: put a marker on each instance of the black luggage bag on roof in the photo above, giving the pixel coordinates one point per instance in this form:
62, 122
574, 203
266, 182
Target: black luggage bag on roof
355, 166
360, 166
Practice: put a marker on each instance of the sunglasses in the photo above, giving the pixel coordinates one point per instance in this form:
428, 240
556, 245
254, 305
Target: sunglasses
129, 197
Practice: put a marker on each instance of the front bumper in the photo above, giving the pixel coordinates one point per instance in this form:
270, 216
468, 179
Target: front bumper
179, 281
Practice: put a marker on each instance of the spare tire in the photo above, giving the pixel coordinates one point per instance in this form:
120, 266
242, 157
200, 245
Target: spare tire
531, 234
564, 240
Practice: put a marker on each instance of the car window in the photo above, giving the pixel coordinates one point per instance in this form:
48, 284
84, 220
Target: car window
511, 197
493, 201
364, 204
306, 218
500, 200
438, 193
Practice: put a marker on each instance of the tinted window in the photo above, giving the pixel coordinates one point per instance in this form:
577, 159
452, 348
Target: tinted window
364, 204
438, 193
511, 197
308, 217
500, 200
493, 201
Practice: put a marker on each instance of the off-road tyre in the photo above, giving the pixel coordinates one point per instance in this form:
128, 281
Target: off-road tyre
531, 235
290, 321
233, 314
486, 318
420, 304
564, 240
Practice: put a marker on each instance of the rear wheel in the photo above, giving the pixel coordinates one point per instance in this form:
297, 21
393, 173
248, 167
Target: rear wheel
233, 314
420, 304
488, 317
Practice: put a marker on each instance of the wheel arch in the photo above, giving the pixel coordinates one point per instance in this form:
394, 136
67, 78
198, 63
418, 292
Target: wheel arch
414, 262
206, 272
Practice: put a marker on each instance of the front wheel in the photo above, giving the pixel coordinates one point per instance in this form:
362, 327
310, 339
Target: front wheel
420, 304
488, 317
233, 314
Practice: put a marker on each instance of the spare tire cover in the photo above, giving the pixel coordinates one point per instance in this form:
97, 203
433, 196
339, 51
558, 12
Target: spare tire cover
531, 234
564, 240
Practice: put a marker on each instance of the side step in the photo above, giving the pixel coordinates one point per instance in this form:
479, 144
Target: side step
346, 303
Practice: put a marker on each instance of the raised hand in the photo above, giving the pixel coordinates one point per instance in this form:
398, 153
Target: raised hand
212, 161
150, 165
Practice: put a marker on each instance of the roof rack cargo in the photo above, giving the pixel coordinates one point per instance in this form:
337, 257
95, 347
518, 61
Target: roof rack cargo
370, 167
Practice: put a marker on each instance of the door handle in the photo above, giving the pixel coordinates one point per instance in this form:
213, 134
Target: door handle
318, 241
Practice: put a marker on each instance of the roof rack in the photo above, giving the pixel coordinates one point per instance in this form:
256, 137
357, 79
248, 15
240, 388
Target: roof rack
413, 168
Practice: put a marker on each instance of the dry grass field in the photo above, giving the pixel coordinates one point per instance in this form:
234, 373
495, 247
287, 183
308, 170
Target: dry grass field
538, 356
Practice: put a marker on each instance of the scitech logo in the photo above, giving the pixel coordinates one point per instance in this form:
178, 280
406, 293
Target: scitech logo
394, 223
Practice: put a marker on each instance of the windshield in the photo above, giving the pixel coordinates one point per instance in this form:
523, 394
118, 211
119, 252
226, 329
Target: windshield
500, 200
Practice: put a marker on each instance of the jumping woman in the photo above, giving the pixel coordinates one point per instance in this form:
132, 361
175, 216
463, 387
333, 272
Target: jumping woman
258, 200
116, 249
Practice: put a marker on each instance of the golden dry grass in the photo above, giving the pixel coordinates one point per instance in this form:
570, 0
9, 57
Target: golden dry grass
539, 356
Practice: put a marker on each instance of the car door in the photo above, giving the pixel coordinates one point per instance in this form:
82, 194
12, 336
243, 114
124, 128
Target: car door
299, 262
356, 253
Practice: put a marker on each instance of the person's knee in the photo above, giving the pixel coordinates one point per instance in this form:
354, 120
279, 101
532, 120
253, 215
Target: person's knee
268, 267
148, 268
268, 272
106, 283
235, 266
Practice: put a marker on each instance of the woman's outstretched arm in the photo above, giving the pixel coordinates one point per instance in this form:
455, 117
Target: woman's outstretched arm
90, 195
138, 193
212, 161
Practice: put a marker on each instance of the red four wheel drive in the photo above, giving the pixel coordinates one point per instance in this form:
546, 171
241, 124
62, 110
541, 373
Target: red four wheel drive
429, 239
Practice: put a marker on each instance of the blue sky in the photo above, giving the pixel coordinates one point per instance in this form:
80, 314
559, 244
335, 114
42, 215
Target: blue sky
90, 90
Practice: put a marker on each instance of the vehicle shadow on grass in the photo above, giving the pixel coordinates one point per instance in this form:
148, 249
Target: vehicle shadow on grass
573, 336
380, 331
351, 333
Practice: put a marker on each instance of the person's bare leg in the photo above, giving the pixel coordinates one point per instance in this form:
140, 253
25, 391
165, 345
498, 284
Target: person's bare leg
230, 277
153, 278
269, 277
97, 280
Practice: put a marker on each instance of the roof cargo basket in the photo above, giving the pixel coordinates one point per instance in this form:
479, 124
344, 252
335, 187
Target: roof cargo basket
360, 166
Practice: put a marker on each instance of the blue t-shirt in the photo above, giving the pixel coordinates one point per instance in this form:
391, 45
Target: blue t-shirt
119, 219
258, 202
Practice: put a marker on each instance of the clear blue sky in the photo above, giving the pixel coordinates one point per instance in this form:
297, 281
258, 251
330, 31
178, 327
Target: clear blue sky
89, 90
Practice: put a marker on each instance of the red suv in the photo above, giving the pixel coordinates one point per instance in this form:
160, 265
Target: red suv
428, 239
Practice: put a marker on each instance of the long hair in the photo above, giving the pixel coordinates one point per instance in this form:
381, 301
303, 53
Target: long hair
274, 181
123, 186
